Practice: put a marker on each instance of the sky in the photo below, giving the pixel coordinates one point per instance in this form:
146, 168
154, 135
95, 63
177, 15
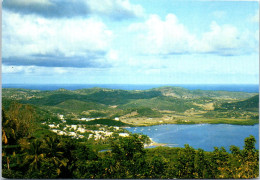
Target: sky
130, 42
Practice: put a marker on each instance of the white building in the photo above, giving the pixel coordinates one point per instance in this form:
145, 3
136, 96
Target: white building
123, 134
61, 133
72, 134
74, 127
108, 133
52, 126
90, 136
61, 116
82, 130
81, 136
117, 118
54, 130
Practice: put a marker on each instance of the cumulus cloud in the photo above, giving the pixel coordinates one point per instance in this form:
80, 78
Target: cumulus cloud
224, 40
163, 37
14, 69
115, 9
34, 70
169, 36
32, 40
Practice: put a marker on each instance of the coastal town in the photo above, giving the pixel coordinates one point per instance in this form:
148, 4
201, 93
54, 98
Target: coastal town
81, 131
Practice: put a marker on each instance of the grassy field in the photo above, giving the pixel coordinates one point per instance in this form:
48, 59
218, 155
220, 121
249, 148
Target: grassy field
183, 119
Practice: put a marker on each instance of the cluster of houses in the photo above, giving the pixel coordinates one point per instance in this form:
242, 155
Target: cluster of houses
79, 131
87, 119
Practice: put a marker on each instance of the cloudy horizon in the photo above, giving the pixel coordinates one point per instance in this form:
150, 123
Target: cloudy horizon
130, 42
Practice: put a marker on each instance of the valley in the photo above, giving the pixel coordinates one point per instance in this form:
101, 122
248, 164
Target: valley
164, 105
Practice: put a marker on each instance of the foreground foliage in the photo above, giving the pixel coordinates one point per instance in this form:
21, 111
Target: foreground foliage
60, 157
56, 157
25, 155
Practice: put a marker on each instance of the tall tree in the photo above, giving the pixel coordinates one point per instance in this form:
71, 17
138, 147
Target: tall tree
34, 155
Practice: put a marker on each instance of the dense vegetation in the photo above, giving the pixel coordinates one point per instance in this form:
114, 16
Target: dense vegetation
31, 150
172, 103
251, 104
30, 154
247, 108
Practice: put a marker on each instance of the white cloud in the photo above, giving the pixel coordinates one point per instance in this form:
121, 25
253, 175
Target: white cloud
60, 70
12, 69
34, 70
225, 40
32, 36
117, 9
31, 70
163, 37
27, 35
169, 36
112, 55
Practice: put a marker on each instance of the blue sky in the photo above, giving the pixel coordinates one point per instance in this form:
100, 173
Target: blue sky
130, 42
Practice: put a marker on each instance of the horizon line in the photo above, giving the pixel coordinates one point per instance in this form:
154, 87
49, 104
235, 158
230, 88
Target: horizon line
129, 84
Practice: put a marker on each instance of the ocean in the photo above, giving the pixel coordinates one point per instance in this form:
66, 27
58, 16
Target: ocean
216, 87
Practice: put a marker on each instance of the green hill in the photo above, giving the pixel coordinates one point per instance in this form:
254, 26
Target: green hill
79, 106
114, 97
183, 93
102, 102
162, 103
97, 95
24, 120
251, 104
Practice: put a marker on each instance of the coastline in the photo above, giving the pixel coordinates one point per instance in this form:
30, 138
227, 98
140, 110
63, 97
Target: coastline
153, 143
231, 123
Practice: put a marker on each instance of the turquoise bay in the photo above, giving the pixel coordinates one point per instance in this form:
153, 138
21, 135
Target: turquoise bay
204, 136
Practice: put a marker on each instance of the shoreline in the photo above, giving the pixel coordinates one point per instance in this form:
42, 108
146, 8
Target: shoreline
153, 143
251, 122
239, 124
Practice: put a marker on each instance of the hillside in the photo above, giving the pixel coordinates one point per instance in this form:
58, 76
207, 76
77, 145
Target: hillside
164, 104
248, 109
24, 120
251, 104
180, 92
79, 106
